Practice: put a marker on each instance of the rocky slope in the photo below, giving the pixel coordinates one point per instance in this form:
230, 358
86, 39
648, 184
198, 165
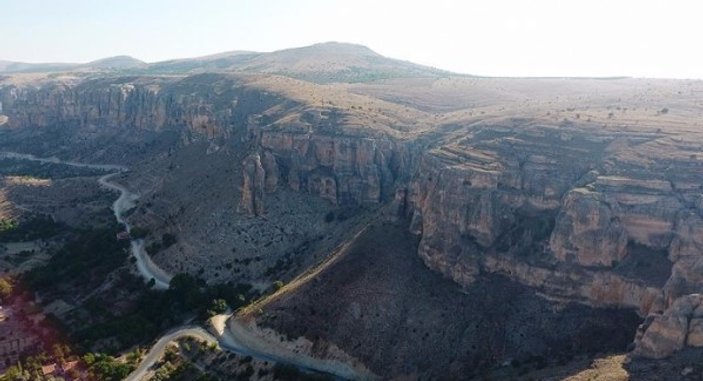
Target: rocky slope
380, 304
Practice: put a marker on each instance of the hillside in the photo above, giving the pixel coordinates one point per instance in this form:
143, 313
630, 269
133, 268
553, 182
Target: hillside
110, 63
320, 63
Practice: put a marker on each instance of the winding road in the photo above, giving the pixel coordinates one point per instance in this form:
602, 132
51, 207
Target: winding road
224, 335
159, 348
126, 201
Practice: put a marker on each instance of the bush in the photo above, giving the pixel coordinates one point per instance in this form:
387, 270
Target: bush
39, 227
138, 232
218, 306
153, 248
107, 368
7, 225
168, 240
5, 288
83, 262
329, 217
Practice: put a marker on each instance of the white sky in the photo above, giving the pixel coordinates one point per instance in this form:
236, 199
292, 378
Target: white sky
646, 38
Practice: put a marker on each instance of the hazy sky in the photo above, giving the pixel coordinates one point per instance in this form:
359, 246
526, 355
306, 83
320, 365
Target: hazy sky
487, 37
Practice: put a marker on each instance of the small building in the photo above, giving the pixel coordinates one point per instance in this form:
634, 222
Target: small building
123, 236
70, 365
48, 370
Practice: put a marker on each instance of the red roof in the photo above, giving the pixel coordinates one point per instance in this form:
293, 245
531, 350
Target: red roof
69, 365
48, 369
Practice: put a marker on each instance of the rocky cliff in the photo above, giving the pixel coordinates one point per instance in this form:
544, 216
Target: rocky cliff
291, 145
579, 215
342, 170
679, 326
200, 107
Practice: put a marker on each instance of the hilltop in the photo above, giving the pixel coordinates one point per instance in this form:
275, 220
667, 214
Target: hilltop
321, 63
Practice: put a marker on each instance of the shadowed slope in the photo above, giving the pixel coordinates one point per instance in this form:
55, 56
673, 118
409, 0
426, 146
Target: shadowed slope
380, 304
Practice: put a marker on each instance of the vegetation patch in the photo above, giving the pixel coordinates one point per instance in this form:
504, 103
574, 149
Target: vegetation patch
36, 227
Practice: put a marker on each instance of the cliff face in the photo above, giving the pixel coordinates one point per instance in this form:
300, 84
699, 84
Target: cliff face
588, 218
340, 169
495, 191
200, 107
305, 153
679, 326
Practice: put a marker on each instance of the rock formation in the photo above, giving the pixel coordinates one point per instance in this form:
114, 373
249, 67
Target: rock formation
680, 325
342, 170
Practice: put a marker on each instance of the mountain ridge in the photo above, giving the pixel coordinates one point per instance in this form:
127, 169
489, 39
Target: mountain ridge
322, 63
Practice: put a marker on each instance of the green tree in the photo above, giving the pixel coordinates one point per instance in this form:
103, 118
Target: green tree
60, 352
5, 288
186, 290
107, 368
138, 232
167, 240
89, 359
218, 306
15, 373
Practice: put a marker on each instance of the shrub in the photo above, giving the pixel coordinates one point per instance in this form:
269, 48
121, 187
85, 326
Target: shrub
329, 217
138, 232
217, 306
168, 240
5, 288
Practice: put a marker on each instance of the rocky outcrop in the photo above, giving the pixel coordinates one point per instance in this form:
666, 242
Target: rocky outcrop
686, 251
200, 107
597, 221
469, 198
587, 231
252, 201
561, 216
340, 169
663, 334
596, 288
303, 149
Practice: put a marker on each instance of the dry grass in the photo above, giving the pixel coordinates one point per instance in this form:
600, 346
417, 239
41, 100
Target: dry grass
603, 369
372, 115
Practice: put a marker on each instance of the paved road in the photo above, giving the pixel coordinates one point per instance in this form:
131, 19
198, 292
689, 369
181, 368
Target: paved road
225, 340
159, 349
149, 270
127, 200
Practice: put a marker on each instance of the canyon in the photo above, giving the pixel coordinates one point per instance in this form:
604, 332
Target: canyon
575, 203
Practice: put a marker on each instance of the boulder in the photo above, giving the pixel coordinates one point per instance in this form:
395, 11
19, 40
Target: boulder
695, 333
